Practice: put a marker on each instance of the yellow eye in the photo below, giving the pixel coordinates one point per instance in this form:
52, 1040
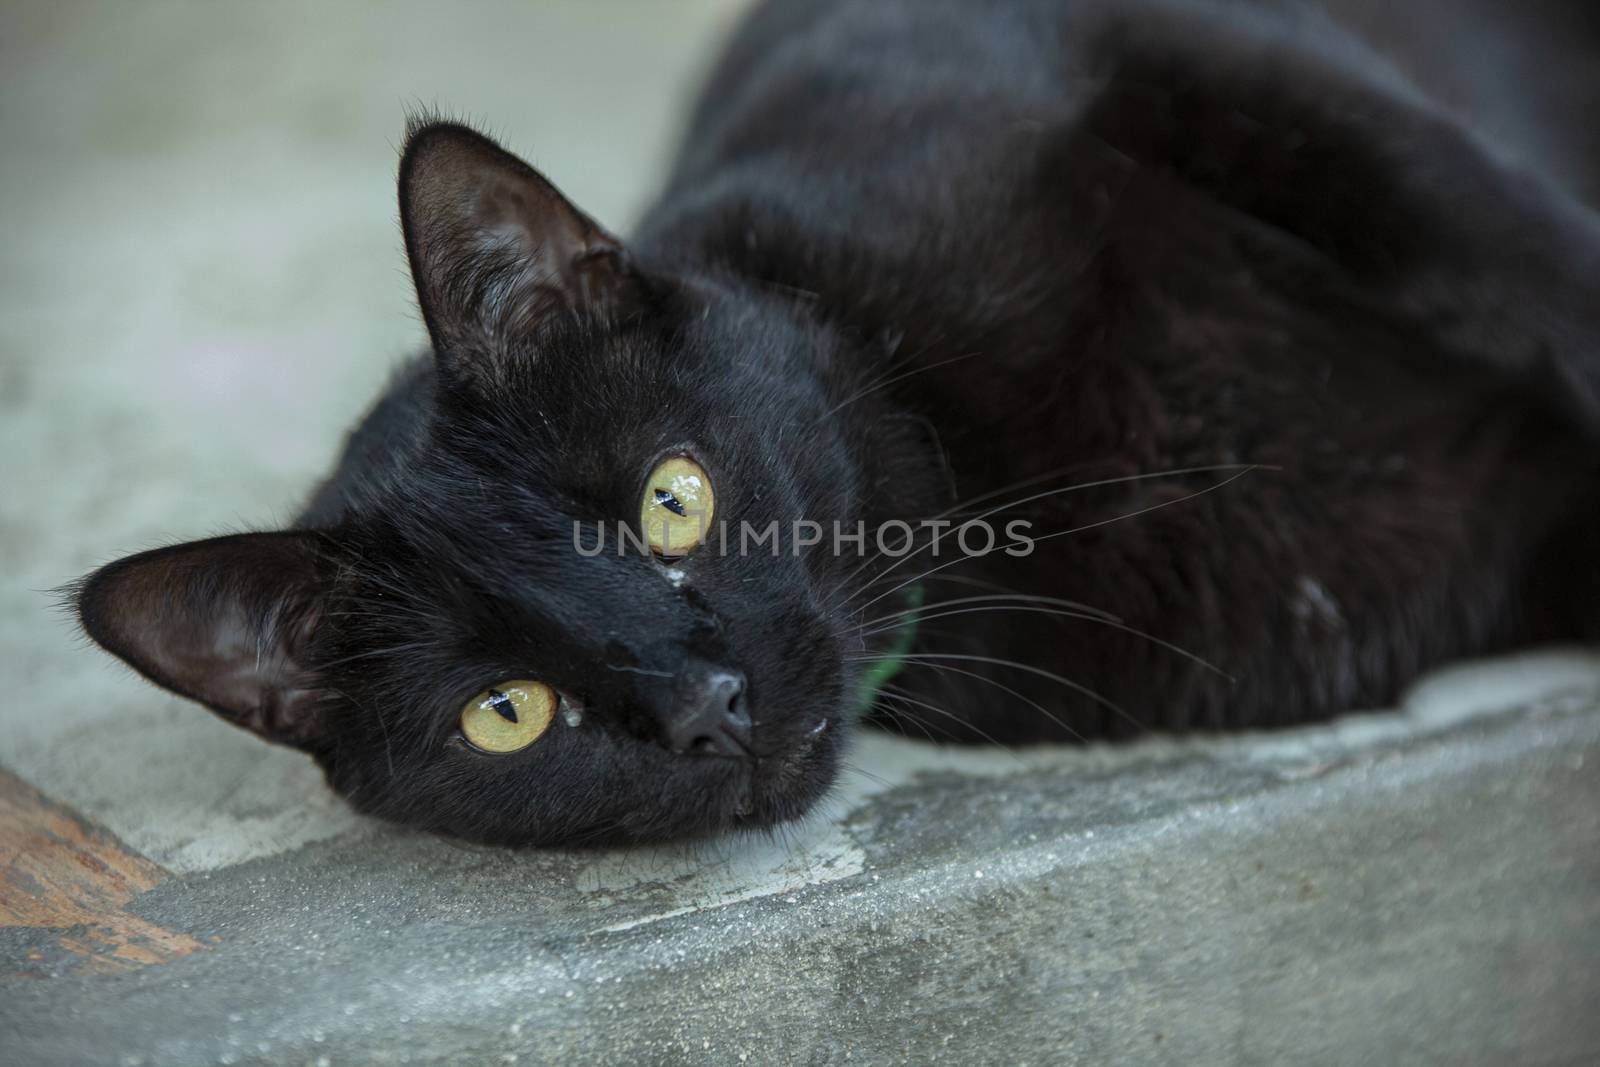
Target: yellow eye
509, 716
678, 507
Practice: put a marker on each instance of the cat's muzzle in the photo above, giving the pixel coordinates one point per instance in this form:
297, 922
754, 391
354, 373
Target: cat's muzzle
709, 714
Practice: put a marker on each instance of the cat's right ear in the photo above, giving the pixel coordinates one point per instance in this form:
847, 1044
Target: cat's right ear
225, 622
494, 247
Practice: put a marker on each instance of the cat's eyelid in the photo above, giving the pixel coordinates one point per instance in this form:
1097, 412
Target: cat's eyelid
682, 450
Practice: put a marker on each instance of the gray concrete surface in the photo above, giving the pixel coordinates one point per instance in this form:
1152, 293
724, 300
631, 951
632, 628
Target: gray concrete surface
1413, 887
201, 284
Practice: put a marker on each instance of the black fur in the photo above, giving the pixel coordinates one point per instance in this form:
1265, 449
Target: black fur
1245, 306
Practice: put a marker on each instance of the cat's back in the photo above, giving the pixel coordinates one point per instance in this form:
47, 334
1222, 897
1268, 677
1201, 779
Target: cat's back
860, 114
865, 117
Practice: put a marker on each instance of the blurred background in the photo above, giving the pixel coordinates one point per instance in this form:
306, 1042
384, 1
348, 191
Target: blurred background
202, 284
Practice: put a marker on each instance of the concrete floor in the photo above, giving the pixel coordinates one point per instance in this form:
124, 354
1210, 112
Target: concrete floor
201, 284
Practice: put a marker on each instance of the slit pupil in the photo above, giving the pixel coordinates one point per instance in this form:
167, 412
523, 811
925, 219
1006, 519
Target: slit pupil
502, 705
670, 502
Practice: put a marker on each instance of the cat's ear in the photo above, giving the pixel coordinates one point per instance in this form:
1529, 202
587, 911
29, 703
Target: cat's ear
1423, 222
225, 622
494, 247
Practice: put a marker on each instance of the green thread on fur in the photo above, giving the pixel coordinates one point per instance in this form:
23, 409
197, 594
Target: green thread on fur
884, 670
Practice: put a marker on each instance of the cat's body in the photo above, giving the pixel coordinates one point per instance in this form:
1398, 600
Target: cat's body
997, 186
1293, 377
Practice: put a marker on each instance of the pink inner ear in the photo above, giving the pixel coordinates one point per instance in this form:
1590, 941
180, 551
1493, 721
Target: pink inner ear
251, 672
223, 622
503, 214
494, 246
508, 222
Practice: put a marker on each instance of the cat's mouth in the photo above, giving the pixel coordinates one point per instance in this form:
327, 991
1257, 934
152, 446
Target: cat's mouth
778, 786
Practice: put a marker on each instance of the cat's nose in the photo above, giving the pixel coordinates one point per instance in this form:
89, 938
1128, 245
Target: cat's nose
709, 716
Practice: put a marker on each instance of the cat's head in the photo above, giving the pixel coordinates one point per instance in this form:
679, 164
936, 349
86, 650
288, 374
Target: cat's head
448, 643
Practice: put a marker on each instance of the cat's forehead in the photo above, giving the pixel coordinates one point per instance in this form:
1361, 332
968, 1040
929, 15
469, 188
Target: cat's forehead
511, 481
588, 405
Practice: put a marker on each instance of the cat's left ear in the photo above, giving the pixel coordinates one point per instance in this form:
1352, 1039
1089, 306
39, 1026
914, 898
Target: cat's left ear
494, 246
225, 622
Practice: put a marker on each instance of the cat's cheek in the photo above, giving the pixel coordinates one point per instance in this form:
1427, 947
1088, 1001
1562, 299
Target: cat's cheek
788, 787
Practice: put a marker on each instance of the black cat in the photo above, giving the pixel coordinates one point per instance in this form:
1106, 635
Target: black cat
1265, 379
